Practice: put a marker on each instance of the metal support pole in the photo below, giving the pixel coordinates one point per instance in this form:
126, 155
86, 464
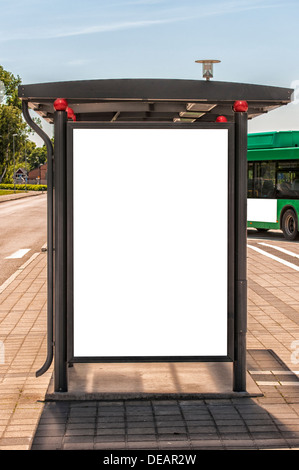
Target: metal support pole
49, 147
14, 162
60, 346
240, 324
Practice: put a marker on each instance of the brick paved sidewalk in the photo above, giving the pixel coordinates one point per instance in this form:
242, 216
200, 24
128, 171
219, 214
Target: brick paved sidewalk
267, 422
22, 335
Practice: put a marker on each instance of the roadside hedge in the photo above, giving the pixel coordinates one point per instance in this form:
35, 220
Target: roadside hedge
23, 187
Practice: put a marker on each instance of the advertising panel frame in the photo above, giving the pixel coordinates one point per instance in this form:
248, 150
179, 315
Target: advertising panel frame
71, 358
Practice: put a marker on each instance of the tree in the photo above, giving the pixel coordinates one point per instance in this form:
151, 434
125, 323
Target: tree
13, 129
11, 84
35, 156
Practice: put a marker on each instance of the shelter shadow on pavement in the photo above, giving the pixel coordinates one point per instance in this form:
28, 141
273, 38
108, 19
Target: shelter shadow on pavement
268, 421
176, 380
158, 425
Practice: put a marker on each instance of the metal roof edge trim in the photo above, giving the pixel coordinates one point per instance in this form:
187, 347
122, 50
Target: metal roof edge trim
153, 89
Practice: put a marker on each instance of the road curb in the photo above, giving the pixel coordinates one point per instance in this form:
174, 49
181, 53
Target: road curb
15, 197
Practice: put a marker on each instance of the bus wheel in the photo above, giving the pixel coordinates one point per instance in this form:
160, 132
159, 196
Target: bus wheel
290, 225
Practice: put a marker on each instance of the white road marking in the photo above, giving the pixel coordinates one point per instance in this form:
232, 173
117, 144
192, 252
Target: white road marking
285, 372
18, 254
18, 271
274, 372
260, 372
289, 383
282, 384
275, 258
261, 382
287, 252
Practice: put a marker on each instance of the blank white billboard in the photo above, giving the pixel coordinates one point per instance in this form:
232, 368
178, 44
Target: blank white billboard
150, 242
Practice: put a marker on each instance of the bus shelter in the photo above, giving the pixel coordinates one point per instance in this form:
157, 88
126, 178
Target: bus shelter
147, 199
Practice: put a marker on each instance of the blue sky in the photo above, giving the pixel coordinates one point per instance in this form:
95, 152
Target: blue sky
58, 40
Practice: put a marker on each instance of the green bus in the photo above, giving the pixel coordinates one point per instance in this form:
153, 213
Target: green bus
273, 182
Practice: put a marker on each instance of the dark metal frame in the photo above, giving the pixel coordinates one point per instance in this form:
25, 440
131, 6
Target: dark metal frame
60, 266
60, 258
231, 249
239, 368
50, 238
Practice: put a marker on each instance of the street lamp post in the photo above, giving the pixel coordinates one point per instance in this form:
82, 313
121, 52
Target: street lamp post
2, 95
2, 146
25, 166
2, 92
14, 164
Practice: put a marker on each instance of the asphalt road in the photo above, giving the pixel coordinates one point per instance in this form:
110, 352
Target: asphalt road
23, 226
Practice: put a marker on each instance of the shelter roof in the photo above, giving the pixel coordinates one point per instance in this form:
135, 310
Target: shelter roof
152, 100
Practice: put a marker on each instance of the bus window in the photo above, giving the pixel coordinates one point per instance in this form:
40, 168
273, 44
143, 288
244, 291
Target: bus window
250, 192
288, 180
261, 179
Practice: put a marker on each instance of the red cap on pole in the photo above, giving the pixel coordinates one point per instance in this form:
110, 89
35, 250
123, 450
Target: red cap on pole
70, 113
221, 119
60, 104
240, 106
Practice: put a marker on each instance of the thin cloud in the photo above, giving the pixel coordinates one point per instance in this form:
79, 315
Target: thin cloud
171, 15
103, 28
217, 9
85, 30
